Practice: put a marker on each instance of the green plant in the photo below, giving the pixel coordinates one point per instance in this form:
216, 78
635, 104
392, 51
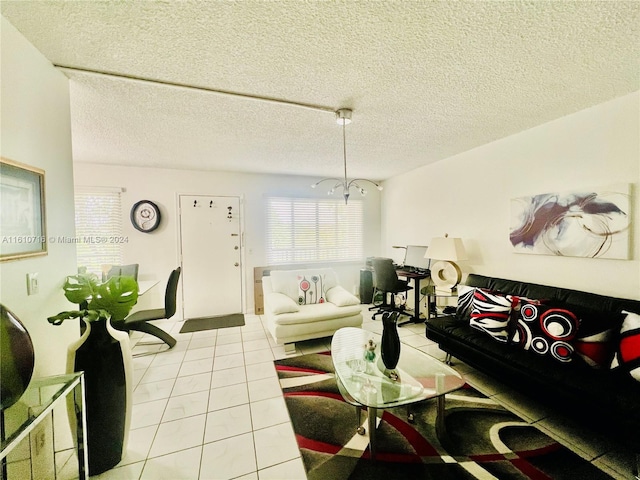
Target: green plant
112, 299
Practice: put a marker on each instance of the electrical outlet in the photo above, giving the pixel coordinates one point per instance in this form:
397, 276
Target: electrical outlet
32, 283
42, 455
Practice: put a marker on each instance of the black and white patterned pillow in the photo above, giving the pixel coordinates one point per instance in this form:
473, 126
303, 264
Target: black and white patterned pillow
465, 301
490, 313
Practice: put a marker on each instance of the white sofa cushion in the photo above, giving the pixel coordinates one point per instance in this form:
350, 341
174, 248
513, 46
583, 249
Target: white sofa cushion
314, 313
278, 303
340, 297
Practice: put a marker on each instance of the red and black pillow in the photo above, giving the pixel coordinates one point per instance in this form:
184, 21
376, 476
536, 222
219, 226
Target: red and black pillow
627, 356
595, 342
546, 330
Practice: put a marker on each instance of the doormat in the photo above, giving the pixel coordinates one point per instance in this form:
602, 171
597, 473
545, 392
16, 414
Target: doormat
481, 439
211, 323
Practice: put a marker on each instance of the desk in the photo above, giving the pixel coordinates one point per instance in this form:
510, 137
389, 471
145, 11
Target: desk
416, 277
35, 405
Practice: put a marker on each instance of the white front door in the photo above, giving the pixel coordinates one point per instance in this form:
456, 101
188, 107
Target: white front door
210, 243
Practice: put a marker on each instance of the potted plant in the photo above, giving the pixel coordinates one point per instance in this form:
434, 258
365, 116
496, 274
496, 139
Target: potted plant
104, 354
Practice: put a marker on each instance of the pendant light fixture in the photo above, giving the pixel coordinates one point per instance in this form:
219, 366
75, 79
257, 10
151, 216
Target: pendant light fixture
343, 117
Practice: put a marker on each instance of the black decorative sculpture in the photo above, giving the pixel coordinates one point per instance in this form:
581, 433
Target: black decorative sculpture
390, 345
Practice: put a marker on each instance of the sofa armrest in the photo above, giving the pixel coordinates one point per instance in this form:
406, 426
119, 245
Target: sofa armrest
278, 303
341, 297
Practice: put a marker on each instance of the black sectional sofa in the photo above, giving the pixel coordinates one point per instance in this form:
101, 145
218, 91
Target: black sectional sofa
607, 400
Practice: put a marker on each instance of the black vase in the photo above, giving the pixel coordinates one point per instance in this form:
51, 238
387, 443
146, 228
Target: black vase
390, 345
17, 360
104, 357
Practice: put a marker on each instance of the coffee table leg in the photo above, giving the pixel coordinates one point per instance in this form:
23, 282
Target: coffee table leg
440, 425
372, 413
359, 428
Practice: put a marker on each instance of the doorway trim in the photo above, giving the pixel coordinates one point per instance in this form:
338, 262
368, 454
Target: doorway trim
243, 272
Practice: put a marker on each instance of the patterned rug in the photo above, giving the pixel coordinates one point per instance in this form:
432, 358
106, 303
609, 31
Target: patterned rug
481, 440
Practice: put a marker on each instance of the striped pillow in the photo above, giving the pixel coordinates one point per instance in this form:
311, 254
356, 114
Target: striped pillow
490, 313
465, 301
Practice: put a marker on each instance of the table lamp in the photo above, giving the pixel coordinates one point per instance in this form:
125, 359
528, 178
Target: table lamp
445, 274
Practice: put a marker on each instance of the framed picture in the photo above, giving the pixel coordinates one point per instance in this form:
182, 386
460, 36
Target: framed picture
22, 211
590, 223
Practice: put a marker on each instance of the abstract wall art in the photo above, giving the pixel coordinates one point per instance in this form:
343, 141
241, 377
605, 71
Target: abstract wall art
594, 223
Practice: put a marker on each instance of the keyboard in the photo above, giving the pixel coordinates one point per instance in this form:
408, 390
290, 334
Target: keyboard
421, 271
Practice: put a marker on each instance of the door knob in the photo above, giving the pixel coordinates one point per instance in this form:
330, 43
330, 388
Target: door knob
236, 264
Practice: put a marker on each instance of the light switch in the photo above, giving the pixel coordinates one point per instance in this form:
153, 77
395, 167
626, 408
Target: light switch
32, 283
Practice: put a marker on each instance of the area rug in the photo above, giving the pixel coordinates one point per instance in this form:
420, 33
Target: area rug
481, 440
210, 323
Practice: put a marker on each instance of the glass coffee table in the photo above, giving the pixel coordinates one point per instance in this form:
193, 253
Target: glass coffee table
369, 384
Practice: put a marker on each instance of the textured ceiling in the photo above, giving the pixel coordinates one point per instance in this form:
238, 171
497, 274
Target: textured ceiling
425, 79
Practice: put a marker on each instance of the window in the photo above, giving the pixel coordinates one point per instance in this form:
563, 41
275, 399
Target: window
98, 227
304, 230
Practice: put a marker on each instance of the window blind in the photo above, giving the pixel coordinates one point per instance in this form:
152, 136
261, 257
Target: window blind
98, 227
303, 230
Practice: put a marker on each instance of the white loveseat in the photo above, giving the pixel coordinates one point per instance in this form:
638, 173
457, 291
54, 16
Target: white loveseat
304, 304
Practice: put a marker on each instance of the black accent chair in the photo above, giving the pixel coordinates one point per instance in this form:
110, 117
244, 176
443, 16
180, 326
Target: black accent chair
388, 283
139, 321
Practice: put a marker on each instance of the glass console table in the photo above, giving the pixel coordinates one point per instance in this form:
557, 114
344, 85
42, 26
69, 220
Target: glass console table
368, 384
433, 295
35, 405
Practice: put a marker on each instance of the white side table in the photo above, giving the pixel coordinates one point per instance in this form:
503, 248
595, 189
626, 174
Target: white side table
36, 405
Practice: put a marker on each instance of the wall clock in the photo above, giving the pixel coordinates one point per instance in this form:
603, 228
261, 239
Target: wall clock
145, 216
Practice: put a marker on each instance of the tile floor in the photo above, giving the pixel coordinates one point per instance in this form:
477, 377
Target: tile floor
211, 408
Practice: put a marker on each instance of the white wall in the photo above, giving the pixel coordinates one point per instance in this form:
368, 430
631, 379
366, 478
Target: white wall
157, 252
36, 131
468, 195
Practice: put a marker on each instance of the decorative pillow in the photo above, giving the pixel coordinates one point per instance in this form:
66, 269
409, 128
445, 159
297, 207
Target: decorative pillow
490, 313
546, 330
596, 341
628, 355
280, 303
596, 350
340, 297
465, 301
311, 289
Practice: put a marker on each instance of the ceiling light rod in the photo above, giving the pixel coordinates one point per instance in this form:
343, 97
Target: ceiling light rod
194, 87
343, 117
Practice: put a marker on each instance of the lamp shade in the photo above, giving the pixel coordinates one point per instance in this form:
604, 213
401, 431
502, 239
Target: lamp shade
446, 248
